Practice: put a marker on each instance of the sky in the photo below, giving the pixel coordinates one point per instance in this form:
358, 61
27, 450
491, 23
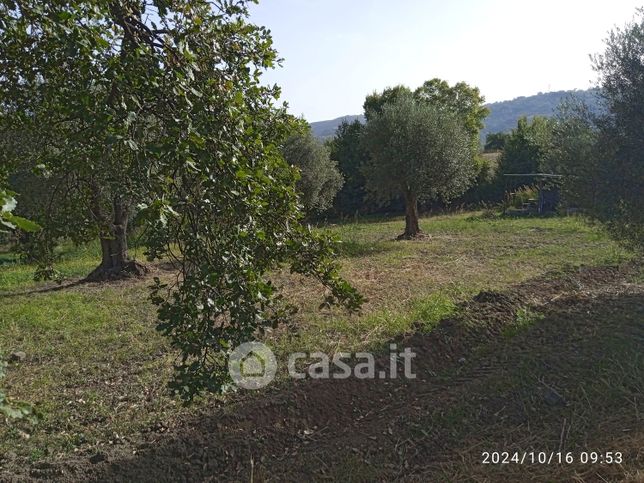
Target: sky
337, 51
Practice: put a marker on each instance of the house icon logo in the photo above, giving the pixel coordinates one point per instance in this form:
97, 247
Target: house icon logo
252, 365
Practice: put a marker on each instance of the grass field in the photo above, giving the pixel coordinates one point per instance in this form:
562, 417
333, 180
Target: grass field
96, 368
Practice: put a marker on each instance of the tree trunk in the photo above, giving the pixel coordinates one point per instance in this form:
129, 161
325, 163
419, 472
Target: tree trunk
115, 262
114, 244
411, 217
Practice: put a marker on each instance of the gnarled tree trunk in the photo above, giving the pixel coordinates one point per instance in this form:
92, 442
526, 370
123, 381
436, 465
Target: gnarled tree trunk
115, 262
411, 216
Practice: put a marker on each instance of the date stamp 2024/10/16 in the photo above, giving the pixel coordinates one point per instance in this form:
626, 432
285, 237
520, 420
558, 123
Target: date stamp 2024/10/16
551, 457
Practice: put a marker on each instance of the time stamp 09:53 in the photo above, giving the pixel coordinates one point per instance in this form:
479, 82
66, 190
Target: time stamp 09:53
551, 457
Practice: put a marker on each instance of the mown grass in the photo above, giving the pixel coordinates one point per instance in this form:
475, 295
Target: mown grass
464, 254
96, 368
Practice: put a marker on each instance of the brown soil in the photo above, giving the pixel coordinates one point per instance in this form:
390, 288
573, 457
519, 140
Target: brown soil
375, 430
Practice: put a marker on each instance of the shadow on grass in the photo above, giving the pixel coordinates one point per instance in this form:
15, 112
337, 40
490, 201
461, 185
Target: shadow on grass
48, 289
361, 220
270, 434
356, 249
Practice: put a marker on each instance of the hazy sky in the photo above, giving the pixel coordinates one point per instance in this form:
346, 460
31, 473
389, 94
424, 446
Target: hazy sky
338, 51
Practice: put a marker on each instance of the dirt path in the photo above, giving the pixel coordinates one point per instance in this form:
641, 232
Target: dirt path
565, 376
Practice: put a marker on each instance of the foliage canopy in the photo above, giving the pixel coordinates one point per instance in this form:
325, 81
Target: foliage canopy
319, 179
348, 151
155, 110
603, 154
418, 151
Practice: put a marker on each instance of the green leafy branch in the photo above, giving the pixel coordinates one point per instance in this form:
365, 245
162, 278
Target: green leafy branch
8, 219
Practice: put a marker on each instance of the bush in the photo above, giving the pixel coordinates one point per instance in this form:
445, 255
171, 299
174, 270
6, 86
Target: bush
523, 195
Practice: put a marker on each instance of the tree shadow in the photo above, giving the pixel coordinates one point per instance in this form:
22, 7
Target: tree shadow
48, 289
67, 284
357, 249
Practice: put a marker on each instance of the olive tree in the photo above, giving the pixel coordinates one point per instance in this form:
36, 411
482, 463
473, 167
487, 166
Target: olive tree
320, 179
621, 179
462, 100
156, 109
602, 155
417, 151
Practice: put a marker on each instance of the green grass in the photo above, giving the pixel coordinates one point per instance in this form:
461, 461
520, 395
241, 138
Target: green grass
96, 366
464, 254
525, 318
72, 262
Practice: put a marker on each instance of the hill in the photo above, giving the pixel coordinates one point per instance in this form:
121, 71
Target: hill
326, 129
503, 115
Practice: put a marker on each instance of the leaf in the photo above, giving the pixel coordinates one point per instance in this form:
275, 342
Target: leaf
8, 202
7, 224
162, 6
195, 92
20, 222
